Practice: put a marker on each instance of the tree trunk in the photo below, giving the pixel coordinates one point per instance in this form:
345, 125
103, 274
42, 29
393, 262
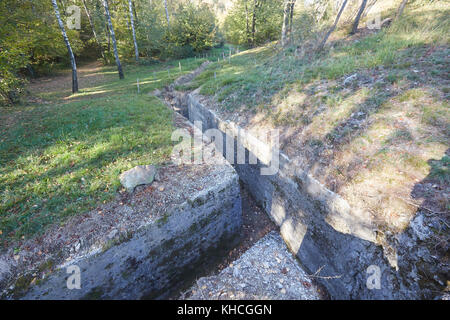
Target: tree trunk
400, 9
292, 15
322, 44
256, 5
113, 38
249, 42
358, 17
135, 13
284, 28
91, 23
136, 51
109, 37
69, 48
167, 13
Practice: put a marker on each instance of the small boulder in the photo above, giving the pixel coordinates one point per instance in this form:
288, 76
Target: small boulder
137, 176
350, 79
385, 23
156, 93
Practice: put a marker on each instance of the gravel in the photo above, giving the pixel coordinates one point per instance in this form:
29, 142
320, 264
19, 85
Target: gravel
266, 271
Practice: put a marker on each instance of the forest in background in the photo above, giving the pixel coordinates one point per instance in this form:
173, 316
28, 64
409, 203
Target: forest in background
146, 31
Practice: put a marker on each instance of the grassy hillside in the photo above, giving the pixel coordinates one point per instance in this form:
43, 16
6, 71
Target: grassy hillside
61, 153
369, 115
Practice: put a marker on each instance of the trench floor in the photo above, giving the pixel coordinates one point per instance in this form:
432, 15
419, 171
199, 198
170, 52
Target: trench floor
260, 266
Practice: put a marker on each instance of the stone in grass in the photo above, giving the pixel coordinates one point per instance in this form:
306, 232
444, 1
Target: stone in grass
137, 176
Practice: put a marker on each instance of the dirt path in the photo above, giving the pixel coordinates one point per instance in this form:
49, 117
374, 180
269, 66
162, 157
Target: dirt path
88, 76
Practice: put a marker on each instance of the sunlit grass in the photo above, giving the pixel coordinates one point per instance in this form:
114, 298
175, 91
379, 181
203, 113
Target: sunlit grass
370, 140
64, 158
264, 69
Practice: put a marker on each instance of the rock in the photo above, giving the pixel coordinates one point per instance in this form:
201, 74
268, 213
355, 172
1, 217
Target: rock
137, 176
385, 23
156, 92
5, 269
350, 79
419, 228
262, 283
112, 234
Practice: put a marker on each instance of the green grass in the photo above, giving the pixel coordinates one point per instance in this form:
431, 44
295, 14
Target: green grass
63, 158
440, 169
254, 76
377, 133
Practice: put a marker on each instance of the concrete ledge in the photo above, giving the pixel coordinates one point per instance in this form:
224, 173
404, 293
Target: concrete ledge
318, 225
145, 245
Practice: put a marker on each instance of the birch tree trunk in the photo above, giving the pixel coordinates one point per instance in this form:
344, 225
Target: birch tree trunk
69, 48
256, 5
167, 13
291, 15
400, 9
136, 51
358, 17
322, 44
247, 24
135, 13
113, 38
284, 28
91, 23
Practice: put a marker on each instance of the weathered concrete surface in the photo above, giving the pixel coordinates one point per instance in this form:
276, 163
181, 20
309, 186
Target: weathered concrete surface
319, 226
267, 271
159, 255
144, 245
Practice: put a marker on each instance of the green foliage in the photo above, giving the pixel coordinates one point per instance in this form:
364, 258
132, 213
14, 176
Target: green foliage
255, 75
440, 169
192, 31
267, 17
30, 42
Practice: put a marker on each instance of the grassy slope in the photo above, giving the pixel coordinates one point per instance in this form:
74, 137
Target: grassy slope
373, 140
63, 156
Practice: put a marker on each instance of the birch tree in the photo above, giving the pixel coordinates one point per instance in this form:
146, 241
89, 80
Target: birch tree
284, 28
113, 38
322, 44
69, 48
136, 51
291, 15
167, 13
400, 9
288, 13
358, 17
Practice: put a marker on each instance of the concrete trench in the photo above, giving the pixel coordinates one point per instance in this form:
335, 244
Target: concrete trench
329, 238
151, 258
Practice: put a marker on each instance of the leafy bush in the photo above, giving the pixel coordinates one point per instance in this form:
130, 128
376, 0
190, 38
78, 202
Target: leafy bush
192, 30
266, 17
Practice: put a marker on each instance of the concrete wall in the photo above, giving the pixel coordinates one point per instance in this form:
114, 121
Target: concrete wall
318, 225
161, 256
